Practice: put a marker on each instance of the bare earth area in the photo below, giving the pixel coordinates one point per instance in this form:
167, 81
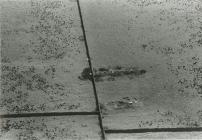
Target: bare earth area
163, 40
42, 55
147, 65
50, 128
158, 136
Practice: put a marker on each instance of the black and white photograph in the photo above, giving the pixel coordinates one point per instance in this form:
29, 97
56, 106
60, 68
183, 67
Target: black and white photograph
101, 70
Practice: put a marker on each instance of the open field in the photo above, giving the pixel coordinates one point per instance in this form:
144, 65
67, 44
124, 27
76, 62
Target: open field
163, 38
42, 55
50, 128
146, 60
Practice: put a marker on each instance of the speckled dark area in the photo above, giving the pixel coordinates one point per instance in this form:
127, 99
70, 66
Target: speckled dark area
110, 74
163, 38
146, 58
51, 128
41, 31
42, 54
21, 86
53, 29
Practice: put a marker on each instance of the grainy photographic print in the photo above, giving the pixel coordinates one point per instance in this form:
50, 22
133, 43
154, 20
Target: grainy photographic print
100, 69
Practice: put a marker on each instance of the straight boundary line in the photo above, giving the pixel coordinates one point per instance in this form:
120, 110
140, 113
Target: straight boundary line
98, 110
92, 75
145, 130
98, 105
50, 114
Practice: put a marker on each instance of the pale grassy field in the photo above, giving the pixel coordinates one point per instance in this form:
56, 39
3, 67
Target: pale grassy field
42, 55
50, 128
163, 37
146, 54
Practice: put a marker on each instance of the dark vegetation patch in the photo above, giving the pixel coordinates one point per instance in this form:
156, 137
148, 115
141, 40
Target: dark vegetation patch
169, 118
193, 78
144, 46
85, 75
53, 29
5, 60
18, 82
32, 126
110, 74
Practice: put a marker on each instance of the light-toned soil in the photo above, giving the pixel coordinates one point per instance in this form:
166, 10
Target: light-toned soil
42, 56
50, 128
155, 136
162, 37
146, 56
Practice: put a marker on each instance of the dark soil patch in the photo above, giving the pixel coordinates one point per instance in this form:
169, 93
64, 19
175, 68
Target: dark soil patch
110, 74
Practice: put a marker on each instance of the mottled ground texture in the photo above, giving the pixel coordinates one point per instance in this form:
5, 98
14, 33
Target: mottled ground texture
42, 55
147, 64
50, 128
157, 136
161, 38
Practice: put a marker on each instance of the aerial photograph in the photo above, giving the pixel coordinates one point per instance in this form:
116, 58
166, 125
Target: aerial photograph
101, 69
